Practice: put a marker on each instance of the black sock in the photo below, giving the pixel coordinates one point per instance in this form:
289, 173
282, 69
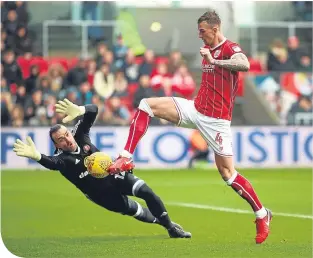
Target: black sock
155, 205
146, 216
140, 213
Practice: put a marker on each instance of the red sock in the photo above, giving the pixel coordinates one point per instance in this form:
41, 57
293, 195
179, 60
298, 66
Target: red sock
137, 129
243, 187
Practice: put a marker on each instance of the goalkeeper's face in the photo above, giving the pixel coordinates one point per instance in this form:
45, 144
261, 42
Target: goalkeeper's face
64, 140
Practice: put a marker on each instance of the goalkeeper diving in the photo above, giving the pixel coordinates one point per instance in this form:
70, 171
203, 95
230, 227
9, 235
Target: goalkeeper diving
110, 192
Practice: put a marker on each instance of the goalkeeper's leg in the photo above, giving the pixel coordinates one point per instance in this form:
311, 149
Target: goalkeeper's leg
157, 208
140, 213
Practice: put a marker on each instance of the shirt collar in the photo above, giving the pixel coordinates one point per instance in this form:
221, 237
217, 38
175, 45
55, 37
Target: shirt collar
218, 45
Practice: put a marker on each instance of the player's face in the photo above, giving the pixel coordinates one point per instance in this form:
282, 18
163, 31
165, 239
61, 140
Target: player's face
64, 140
207, 33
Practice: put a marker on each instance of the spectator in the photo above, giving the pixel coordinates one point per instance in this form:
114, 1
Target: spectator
4, 12
56, 74
11, 24
85, 94
11, 70
40, 119
108, 59
72, 95
183, 83
161, 80
305, 64
21, 96
8, 42
130, 67
91, 70
120, 52
278, 59
17, 116
104, 82
6, 106
44, 86
49, 104
33, 102
23, 42
300, 112
147, 66
31, 81
120, 84
294, 51
21, 11
144, 90
174, 60
117, 113
101, 50
4, 85
77, 75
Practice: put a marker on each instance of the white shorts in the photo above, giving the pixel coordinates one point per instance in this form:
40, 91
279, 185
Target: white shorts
216, 132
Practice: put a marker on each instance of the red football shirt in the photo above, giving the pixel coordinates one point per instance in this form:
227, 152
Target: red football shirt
219, 86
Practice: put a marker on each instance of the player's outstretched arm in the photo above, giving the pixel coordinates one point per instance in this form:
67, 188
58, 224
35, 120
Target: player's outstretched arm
29, 150
72, 111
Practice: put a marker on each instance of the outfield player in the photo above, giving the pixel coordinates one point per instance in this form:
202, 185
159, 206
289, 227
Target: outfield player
109, 192
210, 113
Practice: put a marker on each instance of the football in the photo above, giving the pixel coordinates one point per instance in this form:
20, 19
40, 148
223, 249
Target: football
97, 164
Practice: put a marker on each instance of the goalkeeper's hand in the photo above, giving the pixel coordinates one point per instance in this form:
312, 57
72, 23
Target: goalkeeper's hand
69, 109
27, 150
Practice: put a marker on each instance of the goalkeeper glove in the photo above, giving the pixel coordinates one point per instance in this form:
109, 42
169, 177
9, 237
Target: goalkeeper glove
69, 109
27, 150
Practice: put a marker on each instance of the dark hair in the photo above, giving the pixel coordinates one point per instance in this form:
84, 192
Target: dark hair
210, 17
54, 129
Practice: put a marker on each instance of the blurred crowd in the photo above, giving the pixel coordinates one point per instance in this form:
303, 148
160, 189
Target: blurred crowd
288, 57
114, 79
14, 28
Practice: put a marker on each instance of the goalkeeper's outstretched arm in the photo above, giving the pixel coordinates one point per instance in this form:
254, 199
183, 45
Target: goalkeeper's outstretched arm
87, 114
29, 150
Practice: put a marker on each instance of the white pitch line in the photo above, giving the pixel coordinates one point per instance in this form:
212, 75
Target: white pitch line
225, 209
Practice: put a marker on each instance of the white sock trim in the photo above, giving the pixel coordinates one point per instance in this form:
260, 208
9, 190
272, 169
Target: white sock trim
261, 213
126, 154
232, 179
144, 106
139, 210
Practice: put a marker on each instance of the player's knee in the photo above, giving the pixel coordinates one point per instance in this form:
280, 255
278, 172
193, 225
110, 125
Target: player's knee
133, 209
144, 106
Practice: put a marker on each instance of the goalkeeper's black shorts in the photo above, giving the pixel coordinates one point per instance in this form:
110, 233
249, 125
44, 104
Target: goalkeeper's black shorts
116, 188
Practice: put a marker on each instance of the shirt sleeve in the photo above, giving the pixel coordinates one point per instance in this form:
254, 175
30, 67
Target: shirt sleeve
233, 49
52, 162
85, 123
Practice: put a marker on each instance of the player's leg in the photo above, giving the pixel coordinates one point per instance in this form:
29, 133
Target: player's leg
164, 108
128, 184
114, 201
218, 134
245, 189
157, 208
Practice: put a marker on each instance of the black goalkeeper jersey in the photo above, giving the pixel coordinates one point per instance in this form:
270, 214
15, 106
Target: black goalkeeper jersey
71, 164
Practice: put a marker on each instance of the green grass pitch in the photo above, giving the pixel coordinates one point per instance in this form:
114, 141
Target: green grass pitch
43, 215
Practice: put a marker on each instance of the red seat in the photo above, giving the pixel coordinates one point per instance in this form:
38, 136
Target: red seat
59, 60
41, 63
132, 88
161, 59
139, 60
24, 64
255, 66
